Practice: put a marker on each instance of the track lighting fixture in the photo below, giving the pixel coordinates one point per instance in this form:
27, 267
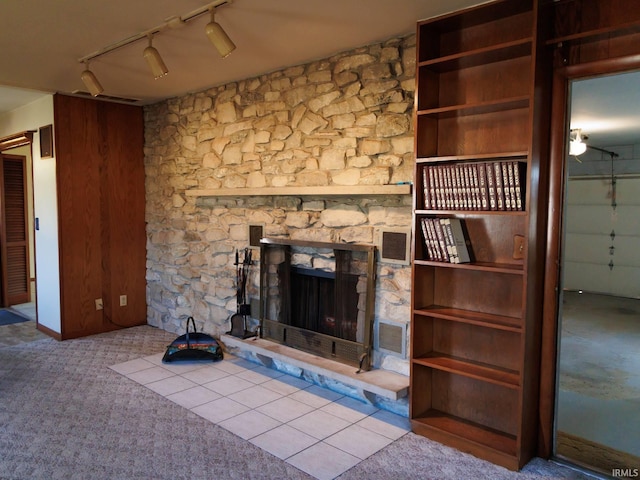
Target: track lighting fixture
576, 145
91, 81
214, 31
219, 37
153, 58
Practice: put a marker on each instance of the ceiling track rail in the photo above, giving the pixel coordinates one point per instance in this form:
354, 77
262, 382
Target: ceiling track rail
173, 22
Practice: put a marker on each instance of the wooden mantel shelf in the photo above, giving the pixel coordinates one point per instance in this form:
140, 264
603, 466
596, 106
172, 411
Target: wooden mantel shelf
400, 189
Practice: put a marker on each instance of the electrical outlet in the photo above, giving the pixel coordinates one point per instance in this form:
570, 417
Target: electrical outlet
98, 304
123, 300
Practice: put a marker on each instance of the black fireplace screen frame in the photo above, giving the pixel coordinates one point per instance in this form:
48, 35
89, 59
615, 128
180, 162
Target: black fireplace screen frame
275, 291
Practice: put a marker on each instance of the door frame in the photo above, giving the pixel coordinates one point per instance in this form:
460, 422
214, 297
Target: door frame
21, 139
562, 78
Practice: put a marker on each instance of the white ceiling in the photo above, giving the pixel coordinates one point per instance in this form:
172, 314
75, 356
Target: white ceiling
41, 45
607, 109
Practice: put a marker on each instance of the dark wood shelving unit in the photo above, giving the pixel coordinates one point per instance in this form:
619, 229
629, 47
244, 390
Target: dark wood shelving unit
473, 345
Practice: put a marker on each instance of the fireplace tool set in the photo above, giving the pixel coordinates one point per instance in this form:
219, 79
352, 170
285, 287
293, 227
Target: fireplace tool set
239, 319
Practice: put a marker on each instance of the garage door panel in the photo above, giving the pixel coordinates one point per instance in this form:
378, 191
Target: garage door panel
587, 276
626, 220
625, 281
588, 219
627, 192
589, 192
626, 251
587, 248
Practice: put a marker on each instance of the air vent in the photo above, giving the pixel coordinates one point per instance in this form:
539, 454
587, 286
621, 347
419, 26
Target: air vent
110, 98
391, 338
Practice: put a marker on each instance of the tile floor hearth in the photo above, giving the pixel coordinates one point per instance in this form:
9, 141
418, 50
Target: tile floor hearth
321, 432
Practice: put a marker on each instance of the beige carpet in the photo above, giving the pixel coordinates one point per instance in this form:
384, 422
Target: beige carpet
65, 415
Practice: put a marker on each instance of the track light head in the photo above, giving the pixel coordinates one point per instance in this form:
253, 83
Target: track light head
153, 58
219, 37
91, 81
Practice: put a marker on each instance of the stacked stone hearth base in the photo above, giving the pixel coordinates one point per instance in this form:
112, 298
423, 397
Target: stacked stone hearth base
384, 389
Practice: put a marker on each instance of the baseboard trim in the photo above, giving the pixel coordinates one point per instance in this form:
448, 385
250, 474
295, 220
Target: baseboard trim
48, 331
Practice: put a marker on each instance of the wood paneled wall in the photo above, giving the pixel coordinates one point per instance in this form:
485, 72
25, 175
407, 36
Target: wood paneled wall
101, 201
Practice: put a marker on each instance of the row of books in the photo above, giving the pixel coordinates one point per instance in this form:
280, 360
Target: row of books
446, 240
496, 185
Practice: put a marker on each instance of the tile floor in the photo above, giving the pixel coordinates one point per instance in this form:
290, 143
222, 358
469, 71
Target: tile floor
292, 419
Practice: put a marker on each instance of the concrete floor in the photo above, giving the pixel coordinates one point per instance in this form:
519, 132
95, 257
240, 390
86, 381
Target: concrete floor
599, 396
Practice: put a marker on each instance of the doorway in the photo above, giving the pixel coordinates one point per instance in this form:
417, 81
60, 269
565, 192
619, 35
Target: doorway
597, 421
17, 266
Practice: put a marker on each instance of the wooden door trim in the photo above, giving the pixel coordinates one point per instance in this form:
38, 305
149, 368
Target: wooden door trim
16, 140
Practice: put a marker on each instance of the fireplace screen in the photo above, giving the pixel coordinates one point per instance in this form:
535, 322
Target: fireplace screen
319, 297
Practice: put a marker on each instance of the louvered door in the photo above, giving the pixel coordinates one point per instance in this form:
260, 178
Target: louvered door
14, 234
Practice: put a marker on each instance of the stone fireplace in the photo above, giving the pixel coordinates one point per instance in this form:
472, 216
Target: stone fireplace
319, 297
279, 145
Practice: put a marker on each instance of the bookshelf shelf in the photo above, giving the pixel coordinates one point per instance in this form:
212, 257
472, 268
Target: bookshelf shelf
478, 108
597, 33
484, 267
499, 322
475, 158
436, 422
476, 88
480, 56
462, 213
482, 372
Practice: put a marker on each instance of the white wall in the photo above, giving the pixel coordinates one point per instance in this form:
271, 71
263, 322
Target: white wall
590, 219
31, 117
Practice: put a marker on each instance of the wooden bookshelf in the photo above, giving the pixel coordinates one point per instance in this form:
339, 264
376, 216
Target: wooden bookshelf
473, 361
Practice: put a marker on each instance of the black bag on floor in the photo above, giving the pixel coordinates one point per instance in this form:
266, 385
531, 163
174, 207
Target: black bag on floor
193, 346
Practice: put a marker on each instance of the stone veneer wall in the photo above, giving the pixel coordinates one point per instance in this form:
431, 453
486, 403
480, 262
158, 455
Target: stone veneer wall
344, 120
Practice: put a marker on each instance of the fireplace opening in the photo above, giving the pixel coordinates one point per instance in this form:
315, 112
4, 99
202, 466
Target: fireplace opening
319, 297
317, 305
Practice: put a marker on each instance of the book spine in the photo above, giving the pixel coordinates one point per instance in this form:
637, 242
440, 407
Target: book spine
460, 240
476, 187
505, 186
468, 186
458, 182
508, 167
463, 187
425, 187
482, 180
441, 188
519, 172
491, 186
438, 245
432, 188
497, 169
451, 196
441, 240
449, 240
427, 239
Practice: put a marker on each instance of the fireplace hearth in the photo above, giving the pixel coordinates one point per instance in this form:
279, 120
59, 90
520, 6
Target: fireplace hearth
319, 297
